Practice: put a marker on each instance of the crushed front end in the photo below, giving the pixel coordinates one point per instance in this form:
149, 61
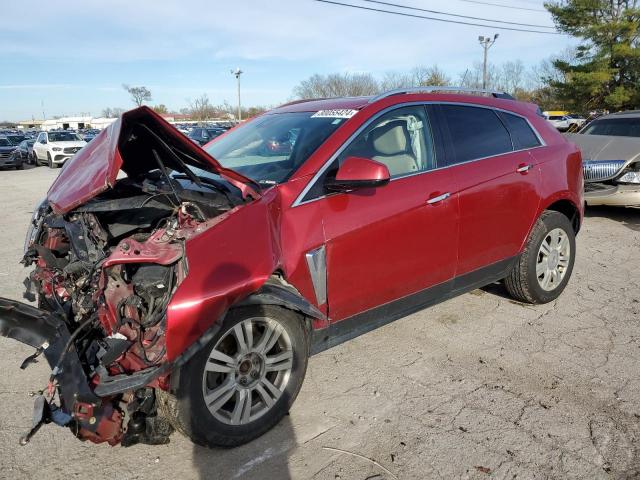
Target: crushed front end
106, 264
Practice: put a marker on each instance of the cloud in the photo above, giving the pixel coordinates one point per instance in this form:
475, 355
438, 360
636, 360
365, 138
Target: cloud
70, 51
286, 30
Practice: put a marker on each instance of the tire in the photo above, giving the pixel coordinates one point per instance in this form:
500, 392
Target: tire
532, 279
50, 161
187, 410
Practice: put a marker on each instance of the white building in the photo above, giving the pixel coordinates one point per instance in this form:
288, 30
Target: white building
76, 123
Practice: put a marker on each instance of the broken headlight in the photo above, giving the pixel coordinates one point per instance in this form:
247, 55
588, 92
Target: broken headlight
35, 224
630, 177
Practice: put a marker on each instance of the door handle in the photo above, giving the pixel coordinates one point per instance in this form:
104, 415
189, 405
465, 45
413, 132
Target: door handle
524, 168
439, 198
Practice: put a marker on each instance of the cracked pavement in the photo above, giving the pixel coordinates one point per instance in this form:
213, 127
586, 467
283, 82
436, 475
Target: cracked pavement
477, 387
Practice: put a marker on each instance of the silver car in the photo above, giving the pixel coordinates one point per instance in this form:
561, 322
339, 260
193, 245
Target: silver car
611, 159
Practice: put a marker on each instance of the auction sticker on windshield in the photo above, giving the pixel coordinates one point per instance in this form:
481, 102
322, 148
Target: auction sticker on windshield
338, 113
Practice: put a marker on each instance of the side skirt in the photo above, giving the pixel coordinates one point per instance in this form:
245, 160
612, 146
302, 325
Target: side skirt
364, 322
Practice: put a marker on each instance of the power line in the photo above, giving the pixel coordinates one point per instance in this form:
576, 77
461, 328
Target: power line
456, 15
423, 17
504, 6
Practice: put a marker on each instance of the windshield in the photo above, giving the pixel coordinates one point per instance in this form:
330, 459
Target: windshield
4, 142
271, 147
63, 137
16, 139
617, 127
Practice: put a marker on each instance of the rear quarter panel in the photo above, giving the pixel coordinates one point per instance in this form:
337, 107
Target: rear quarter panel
561, 175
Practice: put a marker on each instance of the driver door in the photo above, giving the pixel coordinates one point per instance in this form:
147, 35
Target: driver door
387, 246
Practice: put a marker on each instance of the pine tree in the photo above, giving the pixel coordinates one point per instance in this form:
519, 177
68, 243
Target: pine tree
606, 71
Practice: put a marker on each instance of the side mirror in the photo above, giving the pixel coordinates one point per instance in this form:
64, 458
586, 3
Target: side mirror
357, 173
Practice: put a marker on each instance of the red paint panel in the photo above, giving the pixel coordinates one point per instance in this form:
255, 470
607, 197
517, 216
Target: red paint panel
498, 206
386, 243
226, 263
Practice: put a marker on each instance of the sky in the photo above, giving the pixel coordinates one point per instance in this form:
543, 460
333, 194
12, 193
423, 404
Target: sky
72, 57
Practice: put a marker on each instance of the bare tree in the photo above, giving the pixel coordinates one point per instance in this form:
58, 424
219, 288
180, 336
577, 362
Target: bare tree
472, 77
201, 108
393, 80
112, 112
512, 75
424, 76
139, 95
337, 85
161, 109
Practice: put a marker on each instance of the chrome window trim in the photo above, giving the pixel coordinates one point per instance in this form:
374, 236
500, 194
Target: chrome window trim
299, 199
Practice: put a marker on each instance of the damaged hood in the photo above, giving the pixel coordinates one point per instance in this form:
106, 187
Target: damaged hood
124, 146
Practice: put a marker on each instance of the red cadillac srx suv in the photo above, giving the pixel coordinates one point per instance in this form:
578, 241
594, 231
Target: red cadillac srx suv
181, 288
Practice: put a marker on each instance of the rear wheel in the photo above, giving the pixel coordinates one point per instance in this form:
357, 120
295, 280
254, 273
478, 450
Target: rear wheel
244, 381
545, 266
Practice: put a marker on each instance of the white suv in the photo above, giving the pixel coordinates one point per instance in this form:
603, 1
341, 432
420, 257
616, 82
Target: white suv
54, 148
561, 122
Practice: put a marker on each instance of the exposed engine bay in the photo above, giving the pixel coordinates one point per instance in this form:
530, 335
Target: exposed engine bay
105, 271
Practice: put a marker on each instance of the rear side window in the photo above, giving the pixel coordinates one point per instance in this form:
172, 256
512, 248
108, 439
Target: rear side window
522, 134
475, 133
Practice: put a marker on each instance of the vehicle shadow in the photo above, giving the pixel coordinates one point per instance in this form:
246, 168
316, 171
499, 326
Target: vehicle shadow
629, 217
266, 457
497, 288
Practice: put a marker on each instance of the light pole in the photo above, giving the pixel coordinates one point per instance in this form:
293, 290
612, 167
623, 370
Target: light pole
237, 72
486, 43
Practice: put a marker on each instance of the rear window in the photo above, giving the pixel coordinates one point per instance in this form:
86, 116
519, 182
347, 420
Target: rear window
522, 134
475, 132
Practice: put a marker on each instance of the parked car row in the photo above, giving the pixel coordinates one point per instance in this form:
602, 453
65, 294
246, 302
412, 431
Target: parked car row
56, 146
53, 148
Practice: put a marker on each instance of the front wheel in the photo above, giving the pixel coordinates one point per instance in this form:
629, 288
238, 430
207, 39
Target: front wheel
544, 268
244, 381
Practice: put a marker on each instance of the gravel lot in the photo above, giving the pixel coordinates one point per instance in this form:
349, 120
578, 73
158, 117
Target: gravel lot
477, 387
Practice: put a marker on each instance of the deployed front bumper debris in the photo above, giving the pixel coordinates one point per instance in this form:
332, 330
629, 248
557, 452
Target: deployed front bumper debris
85, 413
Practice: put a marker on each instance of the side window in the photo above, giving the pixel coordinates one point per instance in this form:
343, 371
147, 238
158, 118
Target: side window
40, 138
475, 133
401, 139
522, 134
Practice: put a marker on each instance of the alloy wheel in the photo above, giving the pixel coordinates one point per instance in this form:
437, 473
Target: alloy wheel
247, 370
553, 260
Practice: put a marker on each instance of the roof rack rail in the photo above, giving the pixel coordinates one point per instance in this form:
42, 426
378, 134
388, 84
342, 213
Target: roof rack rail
435, 88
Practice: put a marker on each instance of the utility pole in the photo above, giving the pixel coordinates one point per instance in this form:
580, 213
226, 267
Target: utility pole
237, 72
486, 43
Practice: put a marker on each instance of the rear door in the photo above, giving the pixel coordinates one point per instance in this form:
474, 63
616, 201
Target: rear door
497, 180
